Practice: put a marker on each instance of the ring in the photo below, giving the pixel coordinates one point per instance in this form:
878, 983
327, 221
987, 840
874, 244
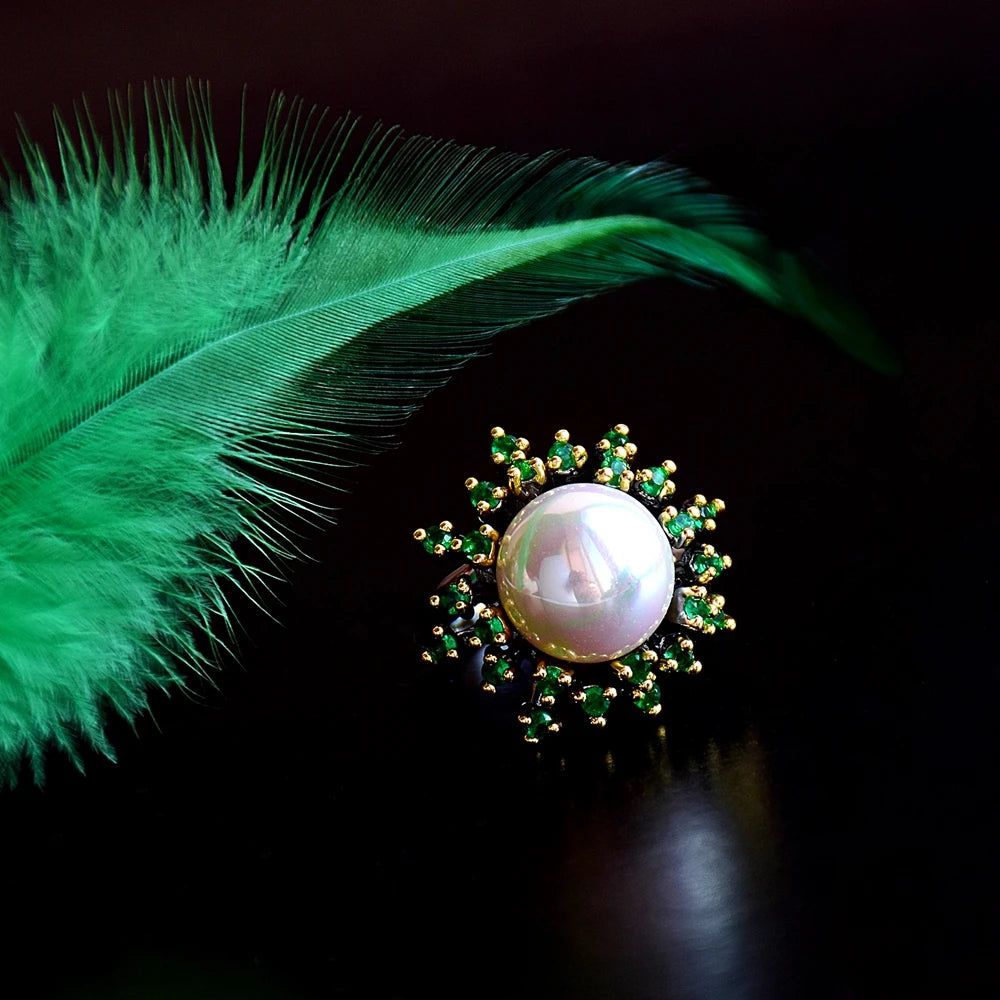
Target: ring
582, 584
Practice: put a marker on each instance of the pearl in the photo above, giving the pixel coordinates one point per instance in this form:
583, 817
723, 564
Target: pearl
585, 572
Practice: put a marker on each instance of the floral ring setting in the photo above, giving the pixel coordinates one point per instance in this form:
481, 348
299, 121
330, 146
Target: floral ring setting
583, 583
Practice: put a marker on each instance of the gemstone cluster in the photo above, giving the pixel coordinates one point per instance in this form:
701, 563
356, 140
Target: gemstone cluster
582, 585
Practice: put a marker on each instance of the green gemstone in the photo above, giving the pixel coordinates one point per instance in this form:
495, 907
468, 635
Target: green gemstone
648, 700
684, 658
701, 563
450, 596
679, 523
483, 493
488, 628
563, 450
477, 544
616, 465
493, 672
695, 607
439, 651
526, 469
640, 667
615, 439
539, 724
654, 485
435, 536
595, 702
549, 684
718, 620
504, 446
709, 510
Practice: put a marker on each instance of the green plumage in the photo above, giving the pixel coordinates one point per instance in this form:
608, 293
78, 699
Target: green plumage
167, 343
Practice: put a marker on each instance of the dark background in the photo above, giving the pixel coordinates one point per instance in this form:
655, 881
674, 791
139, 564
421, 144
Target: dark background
811, 819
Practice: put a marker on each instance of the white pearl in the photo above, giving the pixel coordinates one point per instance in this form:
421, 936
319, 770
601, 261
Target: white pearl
585, 572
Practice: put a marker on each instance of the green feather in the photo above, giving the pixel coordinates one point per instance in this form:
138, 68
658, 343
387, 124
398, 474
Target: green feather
167, 344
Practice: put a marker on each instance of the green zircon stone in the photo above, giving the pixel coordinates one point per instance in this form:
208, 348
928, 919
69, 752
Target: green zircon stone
526, 469
435, 536
640, 668
684, 658
701, 563
483, 493
493, 673
477, 544
709, 510
694, 607
504, 446
595, 701
563, 450
679, 523
652, 486
449, 596
539, 724
648, 700
549, 684
488, 628
615, 464
615, 439
439, 651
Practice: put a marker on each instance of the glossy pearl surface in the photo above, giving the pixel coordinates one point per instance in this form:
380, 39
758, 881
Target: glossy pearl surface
585, 572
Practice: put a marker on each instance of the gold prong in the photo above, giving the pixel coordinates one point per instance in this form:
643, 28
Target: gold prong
455, 544
598, 720
562, 436
487, 613
643, 475
517, 456
603, 445
530, 739
649, 655
483, 507
522, 444
471, 483
687, 643
499, 492
669, 513
708, 550
694, 510
524, 719
501, 637
554, 727
488, 688
419, 535
539, 670
720, 505
498, 458
579, 455
696, 667
668, 466
700, 500
727, 562
439, 549
547, 699
496, 432
565, 678
730, 624
452, 654
630, 449
508, 675
610, 692
709, 524
620, 452
475, 642
490, 532
435, 601
554, 463
687, 535
669, 664
446, 526
578, 696
426, 657
603, 475
655, 710
437, 631
621, 429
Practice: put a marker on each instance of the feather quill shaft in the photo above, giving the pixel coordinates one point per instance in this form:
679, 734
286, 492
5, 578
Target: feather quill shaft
166, 345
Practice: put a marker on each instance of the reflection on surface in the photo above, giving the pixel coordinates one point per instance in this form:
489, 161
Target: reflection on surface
687, 882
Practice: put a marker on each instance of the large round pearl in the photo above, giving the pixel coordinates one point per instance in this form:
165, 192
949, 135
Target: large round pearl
585, 572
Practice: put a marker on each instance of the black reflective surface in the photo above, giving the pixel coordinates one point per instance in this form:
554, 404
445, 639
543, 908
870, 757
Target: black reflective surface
808, 818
